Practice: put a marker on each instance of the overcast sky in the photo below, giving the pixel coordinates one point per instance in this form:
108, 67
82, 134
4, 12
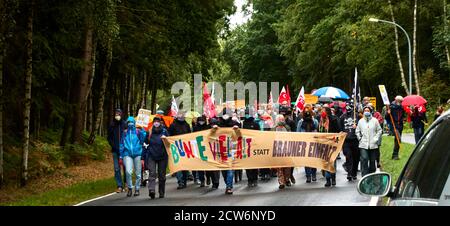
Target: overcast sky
238, 18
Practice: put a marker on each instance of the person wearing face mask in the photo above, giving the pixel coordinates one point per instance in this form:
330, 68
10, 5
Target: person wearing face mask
178, 127
249, 123
131, 153
308, 124
156, 157
199, 126
350, 148
115, 131
368, 132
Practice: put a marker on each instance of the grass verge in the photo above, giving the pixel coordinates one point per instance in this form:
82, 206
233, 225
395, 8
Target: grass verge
69, 196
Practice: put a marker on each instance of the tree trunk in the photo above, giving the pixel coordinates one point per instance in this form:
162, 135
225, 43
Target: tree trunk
397, 51
27, 100
446, 32
2, 56
82, 86
414, 53
144, 89
154, 92
101, 96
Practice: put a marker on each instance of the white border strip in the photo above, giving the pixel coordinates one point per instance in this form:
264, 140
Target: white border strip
82, 203
373, 201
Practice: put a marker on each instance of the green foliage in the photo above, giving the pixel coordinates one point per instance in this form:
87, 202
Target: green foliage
434, 89
394, 167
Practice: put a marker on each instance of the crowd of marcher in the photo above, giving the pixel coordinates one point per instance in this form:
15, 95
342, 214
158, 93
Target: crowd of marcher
136, 150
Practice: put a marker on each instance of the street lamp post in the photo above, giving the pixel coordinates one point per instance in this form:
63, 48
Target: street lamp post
409, 47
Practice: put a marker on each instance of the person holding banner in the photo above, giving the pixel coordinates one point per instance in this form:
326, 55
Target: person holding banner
396, 113
284, 174
156, 157
249, 123
115, 132
308, 124
201, 125
178, 127
368, 132
131, 153
328, 124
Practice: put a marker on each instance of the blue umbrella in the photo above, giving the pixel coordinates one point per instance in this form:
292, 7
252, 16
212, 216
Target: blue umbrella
331, 92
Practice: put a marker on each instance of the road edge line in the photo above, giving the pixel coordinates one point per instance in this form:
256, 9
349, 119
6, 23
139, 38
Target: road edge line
90, 200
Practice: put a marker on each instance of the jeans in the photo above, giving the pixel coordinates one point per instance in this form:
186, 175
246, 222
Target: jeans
162, 166
329, 175
418, 133
368, 158
310, 171
228, 178
182, 177
117, 173
396, 144
131, 163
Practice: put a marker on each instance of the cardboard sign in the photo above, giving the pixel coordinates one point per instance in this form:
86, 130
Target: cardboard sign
384, 94
373, 100
226, 149
143, 118
311, 99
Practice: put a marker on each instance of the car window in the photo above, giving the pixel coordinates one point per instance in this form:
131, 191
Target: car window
428, 169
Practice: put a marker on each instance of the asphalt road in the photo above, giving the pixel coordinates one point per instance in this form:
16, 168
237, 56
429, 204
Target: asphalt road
265, 194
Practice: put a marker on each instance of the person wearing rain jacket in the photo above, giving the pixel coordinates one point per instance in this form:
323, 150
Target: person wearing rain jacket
368, 132
131, 154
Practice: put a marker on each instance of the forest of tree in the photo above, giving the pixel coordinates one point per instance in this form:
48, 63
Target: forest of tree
65, 65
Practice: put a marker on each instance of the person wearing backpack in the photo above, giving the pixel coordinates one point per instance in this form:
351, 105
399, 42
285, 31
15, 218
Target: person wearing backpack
131, 154
308, 124
157, 158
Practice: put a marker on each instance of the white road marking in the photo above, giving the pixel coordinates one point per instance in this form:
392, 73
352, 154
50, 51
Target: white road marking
82, 203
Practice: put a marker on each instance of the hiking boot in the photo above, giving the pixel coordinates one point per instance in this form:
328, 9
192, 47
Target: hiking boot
229, 191
333, 180
119, 190
288, 184
152, 194
202, 184
181, 186
308, 179
136, 193
354, 178
130, 192
215, 186
328, 184
208, 181
314, 178
349, 178
293, 179
281, 186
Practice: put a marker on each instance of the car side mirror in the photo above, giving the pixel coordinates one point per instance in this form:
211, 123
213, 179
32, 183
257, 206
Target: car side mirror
375, 184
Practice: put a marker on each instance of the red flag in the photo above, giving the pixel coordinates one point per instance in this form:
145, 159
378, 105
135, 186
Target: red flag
300, 102
208, 106
173, 108
283, 98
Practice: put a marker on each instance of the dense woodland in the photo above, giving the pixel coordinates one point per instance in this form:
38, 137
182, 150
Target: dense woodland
65, 65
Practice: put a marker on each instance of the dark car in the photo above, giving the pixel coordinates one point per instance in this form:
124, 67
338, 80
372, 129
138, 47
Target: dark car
425, 179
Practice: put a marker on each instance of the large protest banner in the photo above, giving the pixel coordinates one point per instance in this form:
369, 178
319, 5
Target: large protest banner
228, 148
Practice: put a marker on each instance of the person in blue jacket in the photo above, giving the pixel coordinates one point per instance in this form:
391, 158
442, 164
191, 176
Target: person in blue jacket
156, 157
131, 153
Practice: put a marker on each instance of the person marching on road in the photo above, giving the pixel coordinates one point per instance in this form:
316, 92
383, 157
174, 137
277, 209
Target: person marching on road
237, 173
351, 150
131, 153
329, 124
115, 132
199, 126
178, 127
215, 174
397, 113
284, 174
308, 124
418, 120
156, 157
249, 123
368, 132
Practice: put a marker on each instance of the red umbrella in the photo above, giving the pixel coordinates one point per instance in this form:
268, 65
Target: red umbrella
414, 100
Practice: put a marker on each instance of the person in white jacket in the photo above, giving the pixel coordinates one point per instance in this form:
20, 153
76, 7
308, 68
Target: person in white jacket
368, 132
